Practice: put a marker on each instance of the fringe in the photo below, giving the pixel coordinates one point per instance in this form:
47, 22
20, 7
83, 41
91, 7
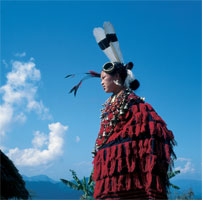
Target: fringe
98, 188
107, 186
129, 182
141, 163
114, 184
121, 183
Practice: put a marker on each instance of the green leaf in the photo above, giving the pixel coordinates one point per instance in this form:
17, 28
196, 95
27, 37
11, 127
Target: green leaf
70, 184
84, 186
172, 174
76, 179
174, 186
92, 186
90, 180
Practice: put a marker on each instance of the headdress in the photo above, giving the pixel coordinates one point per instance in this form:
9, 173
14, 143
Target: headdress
108, 42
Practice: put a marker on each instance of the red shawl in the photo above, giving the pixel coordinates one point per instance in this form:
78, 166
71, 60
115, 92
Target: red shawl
132, 161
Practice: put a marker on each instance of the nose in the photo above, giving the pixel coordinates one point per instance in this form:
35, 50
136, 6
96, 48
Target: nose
102, 84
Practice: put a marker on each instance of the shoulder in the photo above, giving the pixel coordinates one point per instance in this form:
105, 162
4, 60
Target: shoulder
145, 117
135, 99
138, 105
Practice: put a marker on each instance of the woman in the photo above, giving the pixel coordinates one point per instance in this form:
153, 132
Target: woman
134, 148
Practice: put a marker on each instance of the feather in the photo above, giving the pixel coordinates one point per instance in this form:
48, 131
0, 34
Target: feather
93, 74
104, 43
109, 31
70, 75
99, 34
130, 77
90, 74
75, 88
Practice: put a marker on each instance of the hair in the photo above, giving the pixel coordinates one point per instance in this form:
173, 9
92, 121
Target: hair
119, 68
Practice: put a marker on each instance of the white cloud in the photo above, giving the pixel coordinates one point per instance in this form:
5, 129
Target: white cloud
3, 148
187, 165
21, 117
6, 114
35, 156
20, 54
40, 139
77, 139
19, 95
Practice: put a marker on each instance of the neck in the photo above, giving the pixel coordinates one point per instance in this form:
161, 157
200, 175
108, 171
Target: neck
118, 91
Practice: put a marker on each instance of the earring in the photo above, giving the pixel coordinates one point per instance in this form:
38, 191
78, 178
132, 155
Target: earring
117, 82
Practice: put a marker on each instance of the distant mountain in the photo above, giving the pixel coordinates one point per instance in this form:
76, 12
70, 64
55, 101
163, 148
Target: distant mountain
43, 187
46, 190
38, 178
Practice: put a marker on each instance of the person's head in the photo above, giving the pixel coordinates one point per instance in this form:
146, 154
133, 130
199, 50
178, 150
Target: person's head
111, 83
114, 75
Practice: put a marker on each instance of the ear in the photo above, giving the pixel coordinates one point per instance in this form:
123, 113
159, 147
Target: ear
117, 77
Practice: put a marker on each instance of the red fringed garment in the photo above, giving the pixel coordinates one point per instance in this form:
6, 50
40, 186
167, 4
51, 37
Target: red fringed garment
134, 151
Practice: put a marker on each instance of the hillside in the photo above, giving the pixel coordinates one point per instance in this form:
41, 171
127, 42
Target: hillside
42, 187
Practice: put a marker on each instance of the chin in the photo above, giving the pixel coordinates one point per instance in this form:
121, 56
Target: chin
106, 90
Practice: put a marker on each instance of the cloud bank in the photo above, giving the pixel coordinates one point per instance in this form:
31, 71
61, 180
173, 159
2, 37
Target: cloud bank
19, 95
36, 156
187, 166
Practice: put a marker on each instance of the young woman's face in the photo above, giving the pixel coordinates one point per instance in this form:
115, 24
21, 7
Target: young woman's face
107, 82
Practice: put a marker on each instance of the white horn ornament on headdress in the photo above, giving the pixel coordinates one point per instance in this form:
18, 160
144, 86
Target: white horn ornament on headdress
109, 30
108, 42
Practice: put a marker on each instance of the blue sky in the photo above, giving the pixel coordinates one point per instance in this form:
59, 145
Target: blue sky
45, 130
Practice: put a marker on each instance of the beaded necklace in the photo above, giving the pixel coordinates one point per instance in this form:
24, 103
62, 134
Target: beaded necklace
113, 108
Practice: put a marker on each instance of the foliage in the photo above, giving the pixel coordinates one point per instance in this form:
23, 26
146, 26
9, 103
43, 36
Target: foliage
12, 183
188, 195
86, 186
184, 196
171, 175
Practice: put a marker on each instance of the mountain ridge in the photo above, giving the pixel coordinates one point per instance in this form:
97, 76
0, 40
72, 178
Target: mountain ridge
43, 187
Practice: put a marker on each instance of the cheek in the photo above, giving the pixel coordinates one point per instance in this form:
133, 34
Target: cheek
109, 82
111, 85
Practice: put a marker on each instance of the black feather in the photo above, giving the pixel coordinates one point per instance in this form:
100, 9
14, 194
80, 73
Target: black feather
70, 75
89, 74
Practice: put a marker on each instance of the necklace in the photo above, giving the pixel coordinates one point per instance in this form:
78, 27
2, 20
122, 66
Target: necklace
114, 107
